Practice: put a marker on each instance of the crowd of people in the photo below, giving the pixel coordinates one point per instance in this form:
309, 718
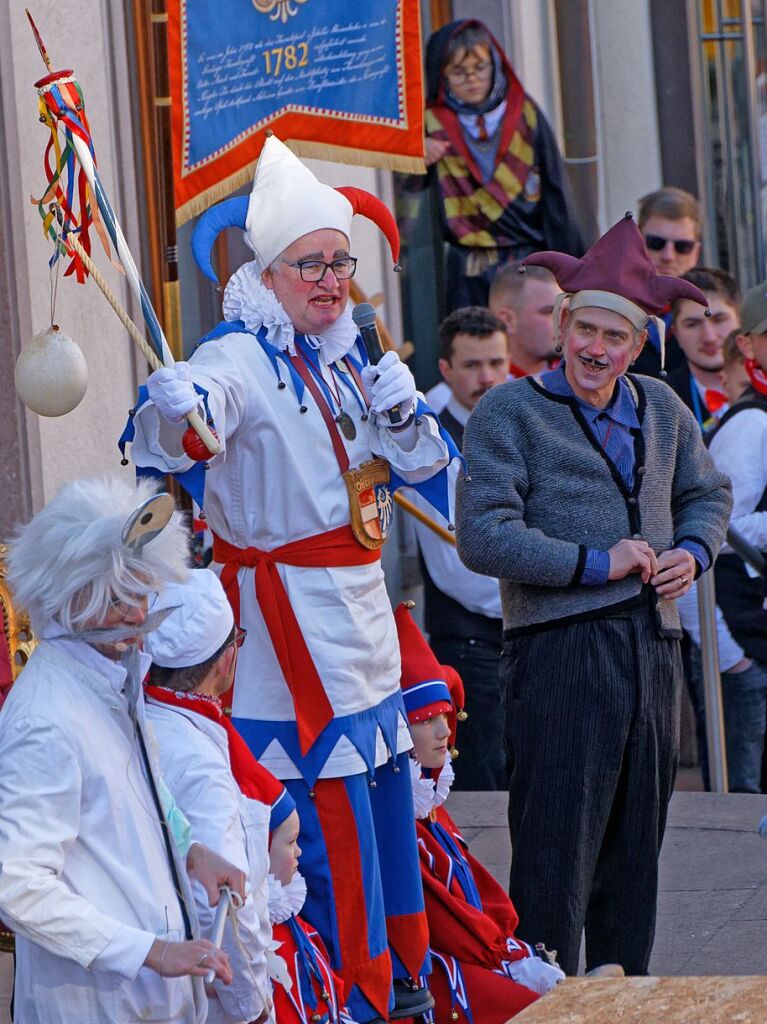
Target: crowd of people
223, 791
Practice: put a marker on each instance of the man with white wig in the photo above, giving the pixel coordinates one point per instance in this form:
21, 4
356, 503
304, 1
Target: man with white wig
194, 653
299, 503
92, 879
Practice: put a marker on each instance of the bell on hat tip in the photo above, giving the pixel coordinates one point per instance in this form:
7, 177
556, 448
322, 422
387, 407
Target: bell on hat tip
521, 270
268, 133
409, 604
453, 753
628, 215
454, 1015
462, 715
397, 268
707, 312
51, 375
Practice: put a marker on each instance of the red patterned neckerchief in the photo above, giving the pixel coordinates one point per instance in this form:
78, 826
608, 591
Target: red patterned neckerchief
253, 779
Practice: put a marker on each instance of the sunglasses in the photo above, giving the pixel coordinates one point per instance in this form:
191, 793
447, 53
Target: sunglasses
682, 246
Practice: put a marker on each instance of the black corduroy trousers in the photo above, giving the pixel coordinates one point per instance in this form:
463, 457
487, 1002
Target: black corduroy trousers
592, 722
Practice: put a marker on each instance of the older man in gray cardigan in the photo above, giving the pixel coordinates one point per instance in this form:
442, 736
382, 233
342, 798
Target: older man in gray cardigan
592, 498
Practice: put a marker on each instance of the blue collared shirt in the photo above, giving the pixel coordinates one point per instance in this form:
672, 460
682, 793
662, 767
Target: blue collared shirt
611, 428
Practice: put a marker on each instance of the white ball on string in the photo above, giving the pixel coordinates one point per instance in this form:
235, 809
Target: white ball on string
51, 373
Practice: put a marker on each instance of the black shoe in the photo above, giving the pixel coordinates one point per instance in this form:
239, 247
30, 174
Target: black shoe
410, 1000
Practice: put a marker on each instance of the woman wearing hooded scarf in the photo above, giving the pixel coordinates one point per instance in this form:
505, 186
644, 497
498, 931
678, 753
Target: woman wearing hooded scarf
503, 189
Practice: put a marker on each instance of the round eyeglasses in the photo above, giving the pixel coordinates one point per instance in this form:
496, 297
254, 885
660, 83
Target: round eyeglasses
315, 270
460, 74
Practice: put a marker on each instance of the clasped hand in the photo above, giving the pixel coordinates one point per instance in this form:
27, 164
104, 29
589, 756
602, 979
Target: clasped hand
671, 573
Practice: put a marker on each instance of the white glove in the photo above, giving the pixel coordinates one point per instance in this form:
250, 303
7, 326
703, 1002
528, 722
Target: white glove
536, 974
172, 391
388, 384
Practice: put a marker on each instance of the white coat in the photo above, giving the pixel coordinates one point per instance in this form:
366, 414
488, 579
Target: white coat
85, 879
194, 759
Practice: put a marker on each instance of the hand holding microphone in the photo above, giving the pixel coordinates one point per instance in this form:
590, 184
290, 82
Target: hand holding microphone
389, 383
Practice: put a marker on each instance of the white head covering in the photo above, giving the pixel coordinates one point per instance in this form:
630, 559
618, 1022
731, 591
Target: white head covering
287, 202
197, 627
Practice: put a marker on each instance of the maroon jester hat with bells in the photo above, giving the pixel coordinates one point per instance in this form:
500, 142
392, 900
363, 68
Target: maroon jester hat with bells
616, 274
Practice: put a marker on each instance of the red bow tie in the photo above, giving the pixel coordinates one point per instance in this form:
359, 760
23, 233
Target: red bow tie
714, 400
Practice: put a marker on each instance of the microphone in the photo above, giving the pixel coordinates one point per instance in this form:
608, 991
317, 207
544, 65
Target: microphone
364, 317
762, 829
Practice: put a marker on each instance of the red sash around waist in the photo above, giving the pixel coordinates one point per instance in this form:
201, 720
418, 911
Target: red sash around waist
325, 550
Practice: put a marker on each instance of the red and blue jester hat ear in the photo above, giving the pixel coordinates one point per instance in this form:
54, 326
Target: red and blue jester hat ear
370, 206
231, 213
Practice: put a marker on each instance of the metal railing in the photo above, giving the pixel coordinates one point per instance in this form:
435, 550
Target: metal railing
712, 680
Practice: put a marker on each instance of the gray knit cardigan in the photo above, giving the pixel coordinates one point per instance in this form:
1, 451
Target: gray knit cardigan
541, 491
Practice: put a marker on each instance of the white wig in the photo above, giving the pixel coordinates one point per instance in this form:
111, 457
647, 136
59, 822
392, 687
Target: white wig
69, 563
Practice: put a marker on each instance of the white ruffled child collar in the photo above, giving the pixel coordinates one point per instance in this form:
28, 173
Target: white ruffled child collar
428, 794
247, 298
286, 900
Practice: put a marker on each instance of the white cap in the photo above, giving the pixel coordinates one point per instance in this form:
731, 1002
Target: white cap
198, 626
288, 202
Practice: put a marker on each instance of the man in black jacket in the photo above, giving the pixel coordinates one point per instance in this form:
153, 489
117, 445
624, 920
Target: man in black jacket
462, 613
701, 338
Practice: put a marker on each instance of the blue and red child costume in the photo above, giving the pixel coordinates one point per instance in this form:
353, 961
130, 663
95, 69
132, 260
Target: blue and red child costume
482, 973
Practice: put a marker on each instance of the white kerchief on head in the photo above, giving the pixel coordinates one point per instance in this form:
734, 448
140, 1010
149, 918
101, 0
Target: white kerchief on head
287, 202
198, 625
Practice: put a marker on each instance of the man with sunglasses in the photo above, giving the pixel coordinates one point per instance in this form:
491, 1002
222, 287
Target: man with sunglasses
669, 220
299, 505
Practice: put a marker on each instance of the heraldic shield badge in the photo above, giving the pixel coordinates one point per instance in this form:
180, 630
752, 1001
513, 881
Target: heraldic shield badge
370, 502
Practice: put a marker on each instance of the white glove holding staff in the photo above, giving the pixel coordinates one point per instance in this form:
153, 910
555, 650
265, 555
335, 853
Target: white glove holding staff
388, 384
172, 391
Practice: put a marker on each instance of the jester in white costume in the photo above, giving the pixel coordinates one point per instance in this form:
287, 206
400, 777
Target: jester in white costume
299, 503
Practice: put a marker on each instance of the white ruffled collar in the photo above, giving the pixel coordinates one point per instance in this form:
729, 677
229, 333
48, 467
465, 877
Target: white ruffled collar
247, 298
286, 900
428, 794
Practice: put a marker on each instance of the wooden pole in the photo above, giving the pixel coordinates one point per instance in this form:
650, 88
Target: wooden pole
416, 513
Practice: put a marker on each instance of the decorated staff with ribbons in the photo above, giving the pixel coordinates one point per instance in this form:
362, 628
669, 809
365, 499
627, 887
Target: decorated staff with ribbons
594, 501
314, 440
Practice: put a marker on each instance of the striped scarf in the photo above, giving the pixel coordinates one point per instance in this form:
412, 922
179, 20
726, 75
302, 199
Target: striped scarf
473, 210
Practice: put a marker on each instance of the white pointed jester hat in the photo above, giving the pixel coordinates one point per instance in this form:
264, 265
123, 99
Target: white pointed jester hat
286, 202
